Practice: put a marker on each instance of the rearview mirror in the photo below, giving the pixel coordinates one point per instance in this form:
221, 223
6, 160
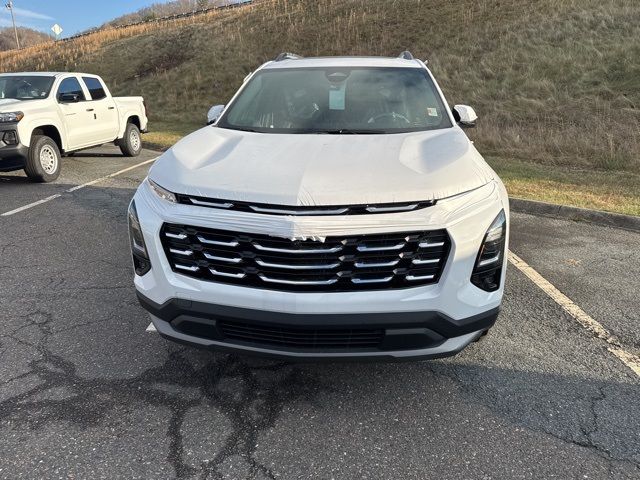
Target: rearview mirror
69, 98
465, 116
214, 114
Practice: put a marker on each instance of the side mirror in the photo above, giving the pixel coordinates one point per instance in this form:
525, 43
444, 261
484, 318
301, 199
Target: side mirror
214, 114
69, 98
465, 116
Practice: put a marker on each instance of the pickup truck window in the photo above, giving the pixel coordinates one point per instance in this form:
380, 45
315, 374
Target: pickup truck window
71, 85
95, 88
338, 101
25, 87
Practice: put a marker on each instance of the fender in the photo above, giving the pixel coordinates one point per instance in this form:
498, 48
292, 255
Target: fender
34, 121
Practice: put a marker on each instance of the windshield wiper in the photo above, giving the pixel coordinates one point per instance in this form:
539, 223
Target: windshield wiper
243, 129
349, 131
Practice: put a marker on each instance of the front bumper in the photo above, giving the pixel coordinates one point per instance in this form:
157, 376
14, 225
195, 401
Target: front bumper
403, 336
445, 309
12, 157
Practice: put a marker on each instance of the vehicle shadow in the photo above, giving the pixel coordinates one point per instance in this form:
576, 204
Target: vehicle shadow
93, 154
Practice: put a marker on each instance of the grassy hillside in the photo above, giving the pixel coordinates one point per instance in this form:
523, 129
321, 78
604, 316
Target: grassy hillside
27, 37
164, 9
556, 83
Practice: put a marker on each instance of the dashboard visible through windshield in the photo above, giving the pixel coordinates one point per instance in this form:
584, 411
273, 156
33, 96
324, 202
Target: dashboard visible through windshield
25, 87
338, 101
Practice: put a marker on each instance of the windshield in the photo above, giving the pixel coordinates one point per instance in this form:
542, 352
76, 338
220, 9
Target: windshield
25, 87
338, 101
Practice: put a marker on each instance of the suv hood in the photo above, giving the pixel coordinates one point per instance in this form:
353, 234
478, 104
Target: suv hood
309, 170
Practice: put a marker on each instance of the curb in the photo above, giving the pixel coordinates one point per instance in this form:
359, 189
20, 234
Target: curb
598, 217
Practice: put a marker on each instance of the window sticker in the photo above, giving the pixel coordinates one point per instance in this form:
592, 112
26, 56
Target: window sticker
336, 96
432, 112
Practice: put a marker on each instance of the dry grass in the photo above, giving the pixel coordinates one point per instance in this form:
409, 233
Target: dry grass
555, 82
617, 192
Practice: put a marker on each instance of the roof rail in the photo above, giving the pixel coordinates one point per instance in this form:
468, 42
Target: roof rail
287, 56
406, 55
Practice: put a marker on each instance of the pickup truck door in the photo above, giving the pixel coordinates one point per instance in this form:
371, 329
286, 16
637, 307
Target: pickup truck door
103, 109
77, 121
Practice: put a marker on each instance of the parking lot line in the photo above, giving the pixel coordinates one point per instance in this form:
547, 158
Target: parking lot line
76, 188
26, 207
593, 326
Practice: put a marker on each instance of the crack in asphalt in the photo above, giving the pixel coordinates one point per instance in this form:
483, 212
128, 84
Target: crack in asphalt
455, 372
91, 400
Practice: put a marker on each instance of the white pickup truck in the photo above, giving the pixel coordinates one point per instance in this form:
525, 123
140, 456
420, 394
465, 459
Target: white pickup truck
44, 116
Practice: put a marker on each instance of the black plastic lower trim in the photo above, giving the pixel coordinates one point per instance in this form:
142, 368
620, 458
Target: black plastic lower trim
176, 311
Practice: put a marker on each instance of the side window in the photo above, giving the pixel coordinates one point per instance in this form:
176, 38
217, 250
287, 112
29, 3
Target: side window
95, 88
71, 85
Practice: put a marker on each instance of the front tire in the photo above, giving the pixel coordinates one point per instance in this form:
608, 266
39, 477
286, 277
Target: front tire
43, 160
131, 143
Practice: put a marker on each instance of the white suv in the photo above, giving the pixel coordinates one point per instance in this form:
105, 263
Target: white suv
334, 209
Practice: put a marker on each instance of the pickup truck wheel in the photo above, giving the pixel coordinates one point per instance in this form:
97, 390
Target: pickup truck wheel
131, 143
43, 160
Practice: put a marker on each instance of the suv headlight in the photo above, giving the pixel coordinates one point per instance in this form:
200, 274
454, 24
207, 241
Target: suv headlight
11, 117
163, 193
488, 268
141, 262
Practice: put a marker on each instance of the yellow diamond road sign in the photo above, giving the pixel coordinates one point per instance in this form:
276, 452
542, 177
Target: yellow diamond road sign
57, 29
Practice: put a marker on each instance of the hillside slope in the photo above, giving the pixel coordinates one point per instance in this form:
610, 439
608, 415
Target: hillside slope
555, 82
27, 37
173, 7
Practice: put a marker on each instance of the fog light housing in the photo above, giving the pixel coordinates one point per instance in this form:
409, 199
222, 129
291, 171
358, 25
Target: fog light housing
487, 271
10, 137
141, 262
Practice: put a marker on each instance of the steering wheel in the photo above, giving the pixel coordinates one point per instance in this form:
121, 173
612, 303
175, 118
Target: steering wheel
395, 116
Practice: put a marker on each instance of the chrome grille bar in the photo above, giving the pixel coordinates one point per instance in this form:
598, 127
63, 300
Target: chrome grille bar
208, 256
329, 281
431, 245
177, 236
228, 275
383, 248
187, 268
371, 280
415, 278
421, 261
177, 251
220, 243
328, 266
297, 251
391, 263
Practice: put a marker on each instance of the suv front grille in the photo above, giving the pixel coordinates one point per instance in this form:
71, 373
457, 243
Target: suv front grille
361, 262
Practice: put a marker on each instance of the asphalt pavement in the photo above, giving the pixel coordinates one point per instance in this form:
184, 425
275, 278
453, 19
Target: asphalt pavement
87, 393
